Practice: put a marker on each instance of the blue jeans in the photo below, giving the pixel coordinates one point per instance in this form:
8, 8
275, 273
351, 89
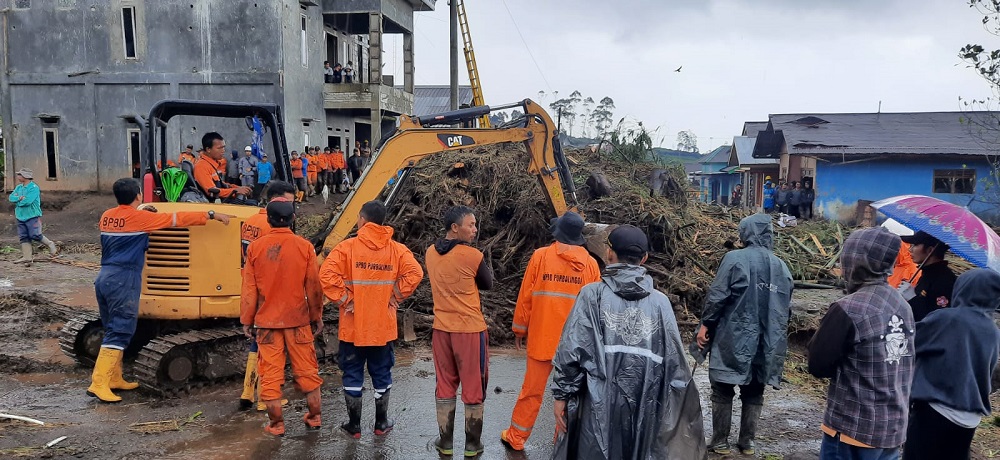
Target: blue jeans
379, 359
833, 449
29, 230
118, 292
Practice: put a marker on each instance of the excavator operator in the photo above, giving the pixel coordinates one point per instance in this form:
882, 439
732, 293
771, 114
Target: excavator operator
206, 172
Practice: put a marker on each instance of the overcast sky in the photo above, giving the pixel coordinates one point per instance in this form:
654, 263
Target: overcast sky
742, 59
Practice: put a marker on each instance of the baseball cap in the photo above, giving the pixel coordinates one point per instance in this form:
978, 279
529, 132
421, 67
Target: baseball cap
923, 238
628, 240
280, 210
25, 173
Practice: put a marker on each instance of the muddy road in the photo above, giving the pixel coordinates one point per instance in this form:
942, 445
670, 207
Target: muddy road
38, 381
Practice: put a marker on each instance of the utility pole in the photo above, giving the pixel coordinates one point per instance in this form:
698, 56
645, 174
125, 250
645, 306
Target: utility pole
453, 4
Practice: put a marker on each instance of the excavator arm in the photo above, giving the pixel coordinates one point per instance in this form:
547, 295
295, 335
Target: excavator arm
418, 137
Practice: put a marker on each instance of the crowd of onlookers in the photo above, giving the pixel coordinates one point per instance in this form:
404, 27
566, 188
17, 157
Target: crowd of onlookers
793, 198
311, 170
338, 73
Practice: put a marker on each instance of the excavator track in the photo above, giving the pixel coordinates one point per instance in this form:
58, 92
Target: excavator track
80, 338
176, 363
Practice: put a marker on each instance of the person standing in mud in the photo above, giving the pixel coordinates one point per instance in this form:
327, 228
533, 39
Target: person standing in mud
366, 278
554, 277
744, 326
124, 240
864, 345
457, 271
27, 201
283, 300
956, 354
251, 230
620, 373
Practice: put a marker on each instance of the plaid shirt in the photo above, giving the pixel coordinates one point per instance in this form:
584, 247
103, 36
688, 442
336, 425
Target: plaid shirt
868, 398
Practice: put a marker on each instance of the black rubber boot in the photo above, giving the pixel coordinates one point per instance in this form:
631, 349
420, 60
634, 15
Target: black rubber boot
446, 426
382, 423
722, 424
353, 425
473, 430
748, 428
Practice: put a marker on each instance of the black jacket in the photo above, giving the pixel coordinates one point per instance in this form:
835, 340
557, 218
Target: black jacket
933, 289
958, 347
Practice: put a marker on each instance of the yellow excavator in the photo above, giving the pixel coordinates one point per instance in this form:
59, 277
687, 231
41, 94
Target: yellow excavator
188, 333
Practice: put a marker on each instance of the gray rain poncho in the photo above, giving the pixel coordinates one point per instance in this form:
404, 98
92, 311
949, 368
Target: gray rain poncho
620, 367
747, 310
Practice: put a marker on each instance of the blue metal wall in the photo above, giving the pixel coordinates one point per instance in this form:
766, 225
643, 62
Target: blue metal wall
840, 186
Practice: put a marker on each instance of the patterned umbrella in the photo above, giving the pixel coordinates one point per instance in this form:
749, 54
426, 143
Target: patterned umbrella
954, 225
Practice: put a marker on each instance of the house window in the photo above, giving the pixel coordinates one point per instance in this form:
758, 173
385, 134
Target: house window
51, 136
304, 42
959, 181
128, 31
132, 137
305, 134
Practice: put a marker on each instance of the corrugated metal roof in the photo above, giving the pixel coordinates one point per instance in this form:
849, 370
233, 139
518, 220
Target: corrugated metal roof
751, 128
719, 155
940, 133
432, 99
743, 146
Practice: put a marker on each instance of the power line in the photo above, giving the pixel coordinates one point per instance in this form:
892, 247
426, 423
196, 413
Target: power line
525, 42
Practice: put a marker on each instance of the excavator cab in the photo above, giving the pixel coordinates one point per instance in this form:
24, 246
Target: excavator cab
156, 141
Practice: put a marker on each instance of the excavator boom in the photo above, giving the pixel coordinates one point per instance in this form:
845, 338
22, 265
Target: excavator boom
418, 137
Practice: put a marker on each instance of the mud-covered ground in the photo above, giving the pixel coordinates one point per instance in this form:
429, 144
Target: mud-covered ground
38, 381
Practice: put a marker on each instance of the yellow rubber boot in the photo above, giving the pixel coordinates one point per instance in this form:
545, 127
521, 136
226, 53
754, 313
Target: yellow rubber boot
249, 382
117, 381
101, 377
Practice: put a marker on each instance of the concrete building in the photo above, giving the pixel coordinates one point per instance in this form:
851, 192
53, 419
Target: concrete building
77, 75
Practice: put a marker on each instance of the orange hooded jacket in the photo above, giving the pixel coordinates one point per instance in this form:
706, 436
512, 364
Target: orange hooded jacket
554, 277
905, 267
366, 277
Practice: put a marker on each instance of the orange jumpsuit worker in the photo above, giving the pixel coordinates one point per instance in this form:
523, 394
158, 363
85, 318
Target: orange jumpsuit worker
551, 283
124, 241
323, 168
905, 268
206, 170
366, 278
312, 171
459, 343
281, 298
338, 164
251, 230
298, 179
187, 155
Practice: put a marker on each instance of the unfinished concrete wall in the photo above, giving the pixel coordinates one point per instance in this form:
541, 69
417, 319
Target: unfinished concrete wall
68, 68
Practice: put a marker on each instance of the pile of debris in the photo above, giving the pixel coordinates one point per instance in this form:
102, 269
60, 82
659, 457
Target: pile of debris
688, 238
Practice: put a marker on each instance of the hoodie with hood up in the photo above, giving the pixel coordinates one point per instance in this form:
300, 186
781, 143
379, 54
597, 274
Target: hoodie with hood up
864, 345
620, 366
747, 309
366, 278
554, 277
958, 347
